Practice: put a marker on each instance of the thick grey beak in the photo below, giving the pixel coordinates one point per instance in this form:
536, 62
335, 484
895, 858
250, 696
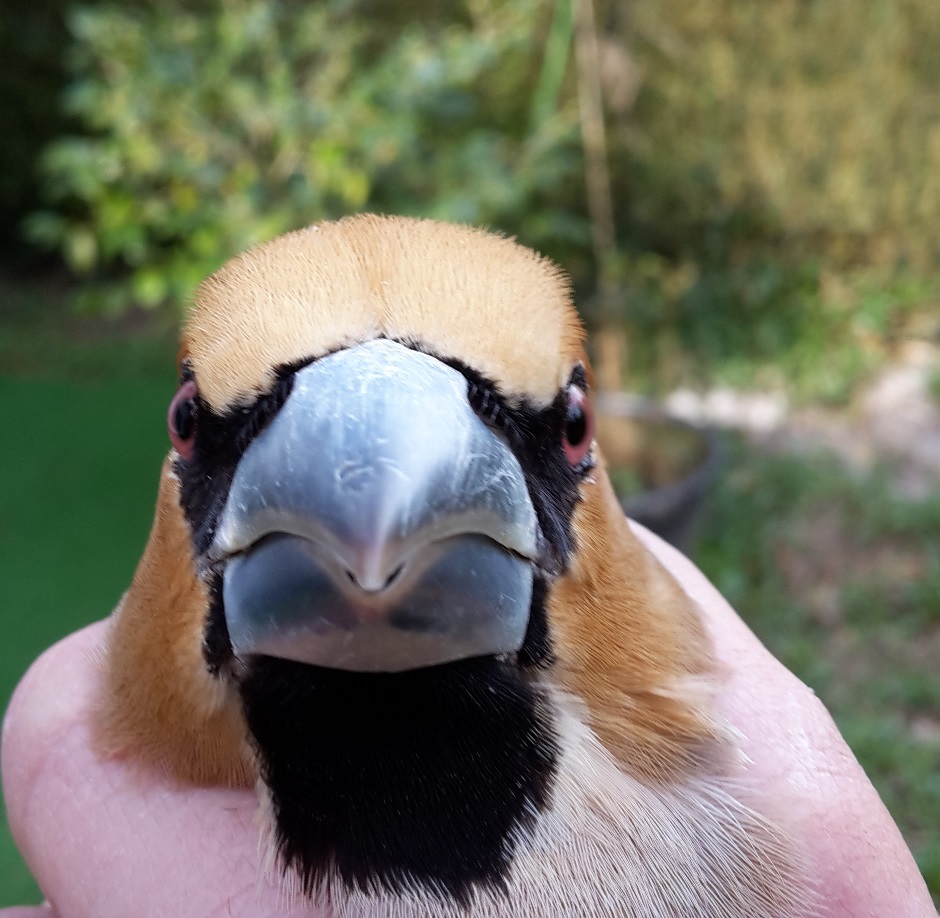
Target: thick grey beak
377, 524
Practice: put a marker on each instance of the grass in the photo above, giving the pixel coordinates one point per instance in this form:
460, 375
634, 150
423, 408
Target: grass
83, 407
839, 577
81, 467
41, 339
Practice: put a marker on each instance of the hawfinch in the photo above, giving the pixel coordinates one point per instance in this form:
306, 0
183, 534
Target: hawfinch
389, 585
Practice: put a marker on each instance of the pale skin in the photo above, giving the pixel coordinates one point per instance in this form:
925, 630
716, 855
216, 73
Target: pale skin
104, 840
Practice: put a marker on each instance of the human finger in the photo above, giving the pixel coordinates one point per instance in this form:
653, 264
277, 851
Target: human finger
804, 770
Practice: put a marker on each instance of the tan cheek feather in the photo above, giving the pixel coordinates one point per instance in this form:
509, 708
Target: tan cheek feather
631, 644
159, 703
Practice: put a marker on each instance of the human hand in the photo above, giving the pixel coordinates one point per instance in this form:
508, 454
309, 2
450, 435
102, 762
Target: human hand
105, 840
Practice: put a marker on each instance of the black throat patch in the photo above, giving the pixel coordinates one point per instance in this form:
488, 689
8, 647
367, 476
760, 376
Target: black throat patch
416, 780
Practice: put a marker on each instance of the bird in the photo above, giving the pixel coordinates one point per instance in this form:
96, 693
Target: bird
389, 585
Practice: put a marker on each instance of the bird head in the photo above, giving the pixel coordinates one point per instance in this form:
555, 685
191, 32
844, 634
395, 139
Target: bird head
387, 560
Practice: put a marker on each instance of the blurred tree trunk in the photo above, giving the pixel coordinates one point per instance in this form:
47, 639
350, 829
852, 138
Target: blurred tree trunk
32, 42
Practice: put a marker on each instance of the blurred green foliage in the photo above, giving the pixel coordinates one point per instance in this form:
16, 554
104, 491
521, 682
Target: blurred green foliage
778, 185
214, 126
810, 125
775, 167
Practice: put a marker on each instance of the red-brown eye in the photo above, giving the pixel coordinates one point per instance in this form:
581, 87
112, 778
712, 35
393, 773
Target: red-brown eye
579, 426
181, 420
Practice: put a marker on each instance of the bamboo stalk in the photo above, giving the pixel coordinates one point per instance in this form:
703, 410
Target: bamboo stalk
554, 65
593, 138
612, 345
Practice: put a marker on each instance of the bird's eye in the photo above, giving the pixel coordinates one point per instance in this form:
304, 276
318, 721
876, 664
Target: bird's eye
181, 420
579, 426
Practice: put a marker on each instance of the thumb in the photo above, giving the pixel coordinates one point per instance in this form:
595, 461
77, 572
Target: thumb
105, 840
38, 911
